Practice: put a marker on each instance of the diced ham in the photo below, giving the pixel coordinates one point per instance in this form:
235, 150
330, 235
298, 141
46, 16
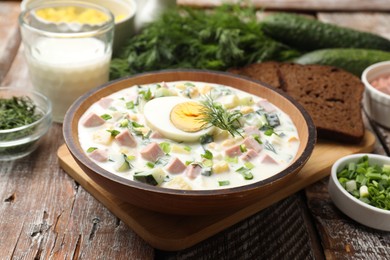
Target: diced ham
249, 155
92, 120
164, 85
268, 159
251, 143
233, 151
267, 106
152, 152
176, 166
252, 130
193, 170
156, 135
99, 155
105, 102
125, 138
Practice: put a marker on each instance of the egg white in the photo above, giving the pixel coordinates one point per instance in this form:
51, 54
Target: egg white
157, 116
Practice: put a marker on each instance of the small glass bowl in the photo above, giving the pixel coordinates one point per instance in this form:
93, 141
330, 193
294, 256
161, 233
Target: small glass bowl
21, 141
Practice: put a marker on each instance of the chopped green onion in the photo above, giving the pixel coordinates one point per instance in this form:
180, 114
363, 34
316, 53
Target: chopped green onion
91, 149
243, 148
245, 172
367, 182
207, 155
150, 164
166, 147
106, 117
113, 132
223, 183
130, 105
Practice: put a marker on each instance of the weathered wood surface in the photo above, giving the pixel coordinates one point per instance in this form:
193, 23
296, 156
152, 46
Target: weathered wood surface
341, 237
46, 215
301, 5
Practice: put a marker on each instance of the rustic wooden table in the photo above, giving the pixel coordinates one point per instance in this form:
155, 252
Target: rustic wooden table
45, 214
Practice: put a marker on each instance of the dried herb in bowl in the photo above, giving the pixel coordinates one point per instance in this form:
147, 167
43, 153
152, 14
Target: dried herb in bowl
17, 111
17, 136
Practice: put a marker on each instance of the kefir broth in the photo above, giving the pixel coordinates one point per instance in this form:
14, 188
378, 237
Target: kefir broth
126, 105
64, 69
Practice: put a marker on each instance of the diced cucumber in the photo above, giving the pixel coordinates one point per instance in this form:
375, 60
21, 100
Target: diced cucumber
153, 177
164, 92
246, 101
120, 164
230, 101
350, 186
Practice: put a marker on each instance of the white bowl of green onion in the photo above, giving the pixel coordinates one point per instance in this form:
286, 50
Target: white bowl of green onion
359, 186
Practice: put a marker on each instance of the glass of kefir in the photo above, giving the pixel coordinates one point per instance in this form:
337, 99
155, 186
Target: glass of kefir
68, 47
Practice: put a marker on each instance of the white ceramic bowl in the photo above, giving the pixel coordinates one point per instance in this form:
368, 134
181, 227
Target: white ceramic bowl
375, 102
124, 27
354, 208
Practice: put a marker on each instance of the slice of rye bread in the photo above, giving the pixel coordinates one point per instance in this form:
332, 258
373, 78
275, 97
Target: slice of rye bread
330, 95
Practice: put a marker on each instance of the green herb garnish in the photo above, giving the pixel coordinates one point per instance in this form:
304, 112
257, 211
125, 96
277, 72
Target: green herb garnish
113, 132
245, 172
106, 116
214, 114
150, 164
91, 149
17, 111
166, 147
207, 155
223, 183
130, 105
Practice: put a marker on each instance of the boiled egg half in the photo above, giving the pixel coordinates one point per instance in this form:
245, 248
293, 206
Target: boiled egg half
176, 118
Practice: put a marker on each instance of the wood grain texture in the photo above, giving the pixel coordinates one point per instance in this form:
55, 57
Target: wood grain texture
274, 233
45, 214
169, 232
377, 23
343, 238
9, 35
339, 233
317, 5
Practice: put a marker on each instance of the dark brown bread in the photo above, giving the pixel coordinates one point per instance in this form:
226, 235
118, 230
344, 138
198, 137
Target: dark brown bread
330, 95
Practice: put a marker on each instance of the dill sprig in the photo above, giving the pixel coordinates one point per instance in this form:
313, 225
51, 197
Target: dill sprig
214, 114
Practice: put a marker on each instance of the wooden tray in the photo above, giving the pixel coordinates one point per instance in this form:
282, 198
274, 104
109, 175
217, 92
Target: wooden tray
170, 232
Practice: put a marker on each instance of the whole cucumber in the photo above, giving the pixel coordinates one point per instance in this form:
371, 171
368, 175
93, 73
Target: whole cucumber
308, 34
352, 60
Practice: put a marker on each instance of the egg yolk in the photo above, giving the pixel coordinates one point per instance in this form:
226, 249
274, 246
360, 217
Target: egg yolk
73, 14
188, 116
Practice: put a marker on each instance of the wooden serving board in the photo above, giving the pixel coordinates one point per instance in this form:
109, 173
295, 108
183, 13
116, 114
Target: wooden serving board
171, 233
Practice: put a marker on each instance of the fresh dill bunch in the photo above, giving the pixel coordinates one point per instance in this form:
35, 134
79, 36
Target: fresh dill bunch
225, 37
214, 114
